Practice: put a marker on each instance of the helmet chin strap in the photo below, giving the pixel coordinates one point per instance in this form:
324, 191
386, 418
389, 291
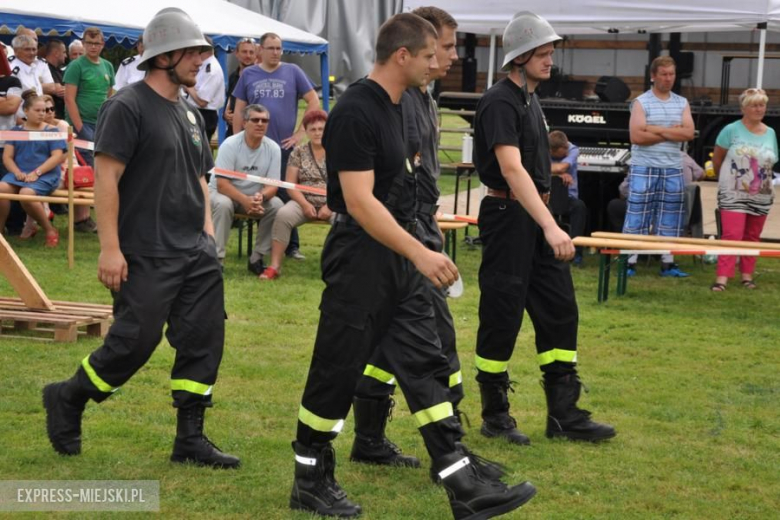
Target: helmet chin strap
170, 69
525, 78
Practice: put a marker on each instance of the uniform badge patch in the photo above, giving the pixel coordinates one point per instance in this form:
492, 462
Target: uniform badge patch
195, 135
191, 118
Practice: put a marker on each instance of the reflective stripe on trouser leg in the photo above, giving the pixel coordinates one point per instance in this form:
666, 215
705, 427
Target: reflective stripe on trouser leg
95, 379
318, 423
380, 375
192, 387
491, 366
456, 378
433, 414
556, 354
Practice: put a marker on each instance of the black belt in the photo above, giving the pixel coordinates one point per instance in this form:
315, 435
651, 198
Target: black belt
343, 218
427, 208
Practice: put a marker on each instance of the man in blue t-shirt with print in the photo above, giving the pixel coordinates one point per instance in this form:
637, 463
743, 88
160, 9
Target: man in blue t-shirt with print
277, 86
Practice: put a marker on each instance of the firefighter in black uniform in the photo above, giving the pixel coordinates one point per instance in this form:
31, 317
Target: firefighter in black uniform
524, 251
374, 271
373, 402
157, 251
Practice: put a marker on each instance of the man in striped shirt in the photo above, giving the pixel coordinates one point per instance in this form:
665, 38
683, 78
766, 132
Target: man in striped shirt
660, 121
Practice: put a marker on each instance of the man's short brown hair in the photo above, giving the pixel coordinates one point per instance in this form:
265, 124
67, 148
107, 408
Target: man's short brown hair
267, 35
662, 61
404, 30
93, 32
437, 17
558, 140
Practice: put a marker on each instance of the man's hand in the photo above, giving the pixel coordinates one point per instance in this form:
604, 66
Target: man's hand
254, 205
324, 213
227, 115
437, 267
560, 243
292, 140
59, 90
567, 179
112, 269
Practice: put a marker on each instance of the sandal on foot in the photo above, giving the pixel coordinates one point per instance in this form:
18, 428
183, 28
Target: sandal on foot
29, 230
52, 240
270, 274
718, 287
749, 284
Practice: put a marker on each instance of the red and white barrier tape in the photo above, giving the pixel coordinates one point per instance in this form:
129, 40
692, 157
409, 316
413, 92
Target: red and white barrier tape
449, 217
264, 180
688, 252
16, 135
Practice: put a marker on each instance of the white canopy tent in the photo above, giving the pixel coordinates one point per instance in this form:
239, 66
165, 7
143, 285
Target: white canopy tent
226, 23
617, 16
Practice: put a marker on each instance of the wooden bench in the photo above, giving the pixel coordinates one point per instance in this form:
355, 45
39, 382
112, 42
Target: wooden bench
248, 221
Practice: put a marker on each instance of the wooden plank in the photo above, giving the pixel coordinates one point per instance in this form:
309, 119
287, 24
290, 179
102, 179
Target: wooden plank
50, 200
20, 278
77, 194
66, 333
45, 317
704, 243
610, 243
74, 309
98, 329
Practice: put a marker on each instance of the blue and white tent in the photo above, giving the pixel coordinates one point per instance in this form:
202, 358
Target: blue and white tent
226, 23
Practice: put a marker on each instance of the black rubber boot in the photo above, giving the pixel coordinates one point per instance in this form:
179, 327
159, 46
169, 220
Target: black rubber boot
191, 445
371, 446
488, 469
495, 414
315, 488
564, 419
64, 406
472, 496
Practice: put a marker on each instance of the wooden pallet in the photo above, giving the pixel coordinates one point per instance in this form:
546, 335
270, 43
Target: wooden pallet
63, 323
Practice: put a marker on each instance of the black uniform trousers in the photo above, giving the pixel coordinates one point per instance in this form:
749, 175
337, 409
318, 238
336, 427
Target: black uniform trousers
187, 293
372, 294
519, 272
211, 120
378, 381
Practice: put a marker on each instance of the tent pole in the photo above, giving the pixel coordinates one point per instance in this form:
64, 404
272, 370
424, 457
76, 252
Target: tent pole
492, 59
222, 59
761, 52
325, 73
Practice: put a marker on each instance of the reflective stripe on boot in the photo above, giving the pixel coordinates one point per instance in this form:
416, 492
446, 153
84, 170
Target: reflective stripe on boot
315, 488
472, 496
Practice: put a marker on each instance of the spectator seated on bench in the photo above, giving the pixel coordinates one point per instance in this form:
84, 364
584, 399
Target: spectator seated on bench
564, 156
248, 151
306, 167
33, 167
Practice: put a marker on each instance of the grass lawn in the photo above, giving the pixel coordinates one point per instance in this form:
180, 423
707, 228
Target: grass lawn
688, 377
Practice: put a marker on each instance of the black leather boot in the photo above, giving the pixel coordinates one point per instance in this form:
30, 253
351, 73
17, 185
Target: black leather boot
495, 413
371, 446
472, 496
191, 445
315, 488
564, 419
64, 406
488, 469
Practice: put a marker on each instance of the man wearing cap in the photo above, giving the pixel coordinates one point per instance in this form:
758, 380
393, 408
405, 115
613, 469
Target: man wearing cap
157, 250
524, 252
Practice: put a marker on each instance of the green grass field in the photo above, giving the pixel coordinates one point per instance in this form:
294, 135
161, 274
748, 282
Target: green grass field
688, 377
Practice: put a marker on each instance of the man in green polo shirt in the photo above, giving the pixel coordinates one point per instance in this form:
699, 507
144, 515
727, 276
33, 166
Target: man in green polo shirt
88, 81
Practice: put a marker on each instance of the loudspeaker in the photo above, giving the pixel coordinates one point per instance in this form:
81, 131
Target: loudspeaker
612, 89
684, 67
